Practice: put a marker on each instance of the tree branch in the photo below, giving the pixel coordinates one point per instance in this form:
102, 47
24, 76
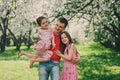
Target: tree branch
1, 28
110, 30
115, 11
81, 9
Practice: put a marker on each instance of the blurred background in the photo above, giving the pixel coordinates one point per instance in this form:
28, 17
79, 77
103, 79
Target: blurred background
93, 24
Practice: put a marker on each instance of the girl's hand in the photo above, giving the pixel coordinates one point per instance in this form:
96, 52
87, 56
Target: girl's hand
58, 52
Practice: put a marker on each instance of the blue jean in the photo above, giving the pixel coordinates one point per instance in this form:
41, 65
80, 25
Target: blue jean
50, 68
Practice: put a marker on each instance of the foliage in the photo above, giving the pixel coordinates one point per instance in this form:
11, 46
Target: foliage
5, 11
11, 21
18, 16
102, 15
109, 27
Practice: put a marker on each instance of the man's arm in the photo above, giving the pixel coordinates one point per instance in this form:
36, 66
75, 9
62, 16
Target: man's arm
77, 59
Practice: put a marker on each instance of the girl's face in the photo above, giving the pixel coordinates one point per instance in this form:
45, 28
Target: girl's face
64, 39
44, 24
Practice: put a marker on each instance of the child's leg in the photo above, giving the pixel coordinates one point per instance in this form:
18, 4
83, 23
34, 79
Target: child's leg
38, 59
41, 58
31, 63
37, 55
32, 60
25, 54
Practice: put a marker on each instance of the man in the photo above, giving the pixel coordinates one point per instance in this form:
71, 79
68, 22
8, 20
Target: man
52, 67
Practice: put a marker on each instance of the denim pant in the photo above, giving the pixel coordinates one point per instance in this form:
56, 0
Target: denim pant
50, 68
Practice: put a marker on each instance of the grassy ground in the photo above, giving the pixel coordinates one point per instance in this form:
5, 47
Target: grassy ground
97, 63
14, 68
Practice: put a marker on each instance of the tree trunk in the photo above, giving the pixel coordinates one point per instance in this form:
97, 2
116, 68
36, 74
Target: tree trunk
3, 42
117, 43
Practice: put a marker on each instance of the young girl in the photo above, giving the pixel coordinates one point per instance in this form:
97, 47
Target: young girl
45, 42
69, 71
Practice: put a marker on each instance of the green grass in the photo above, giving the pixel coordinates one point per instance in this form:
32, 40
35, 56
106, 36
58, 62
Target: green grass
97, 63
14, 68
17, 70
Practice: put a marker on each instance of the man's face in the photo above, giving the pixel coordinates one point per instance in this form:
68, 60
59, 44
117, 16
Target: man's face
59, 27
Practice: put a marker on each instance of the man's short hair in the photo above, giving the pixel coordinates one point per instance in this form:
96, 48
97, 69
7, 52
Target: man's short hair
63, 20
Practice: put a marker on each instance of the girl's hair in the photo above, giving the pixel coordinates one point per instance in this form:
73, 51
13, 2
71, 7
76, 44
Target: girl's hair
63, 46
39, 20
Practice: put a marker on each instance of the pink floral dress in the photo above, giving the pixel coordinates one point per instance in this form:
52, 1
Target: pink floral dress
46, 39
69, 71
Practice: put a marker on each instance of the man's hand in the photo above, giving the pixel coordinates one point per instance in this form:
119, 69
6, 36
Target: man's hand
77, 59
